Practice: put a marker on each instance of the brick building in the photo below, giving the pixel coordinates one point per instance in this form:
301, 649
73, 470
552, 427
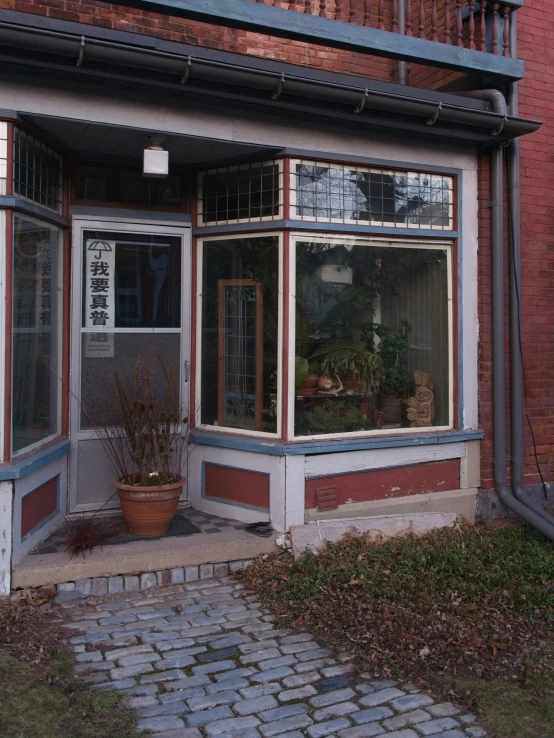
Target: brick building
340, 261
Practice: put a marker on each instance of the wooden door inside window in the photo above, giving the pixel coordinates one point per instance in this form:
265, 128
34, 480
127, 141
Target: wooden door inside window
240, 385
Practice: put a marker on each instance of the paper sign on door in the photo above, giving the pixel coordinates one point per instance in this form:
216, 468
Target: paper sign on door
99, 297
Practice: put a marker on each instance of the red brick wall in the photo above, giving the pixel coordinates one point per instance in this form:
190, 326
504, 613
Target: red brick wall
117, 17
536, 100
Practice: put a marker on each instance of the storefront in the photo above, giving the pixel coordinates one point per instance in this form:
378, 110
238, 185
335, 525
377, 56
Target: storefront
313, 283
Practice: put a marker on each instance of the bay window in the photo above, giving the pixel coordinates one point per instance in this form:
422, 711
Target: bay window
368, 321
36, 332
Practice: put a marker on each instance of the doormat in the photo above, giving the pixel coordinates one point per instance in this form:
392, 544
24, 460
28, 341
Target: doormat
180, 526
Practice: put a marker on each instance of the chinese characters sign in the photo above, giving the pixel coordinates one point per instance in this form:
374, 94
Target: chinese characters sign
99, 297
100, 284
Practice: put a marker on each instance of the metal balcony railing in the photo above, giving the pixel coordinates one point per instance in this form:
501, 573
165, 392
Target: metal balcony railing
482, 26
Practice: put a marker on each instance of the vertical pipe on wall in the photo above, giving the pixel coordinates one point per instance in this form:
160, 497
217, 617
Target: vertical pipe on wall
516, 349
402, 66
534, 518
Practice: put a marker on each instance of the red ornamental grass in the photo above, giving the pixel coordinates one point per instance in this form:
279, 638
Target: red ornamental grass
82, 534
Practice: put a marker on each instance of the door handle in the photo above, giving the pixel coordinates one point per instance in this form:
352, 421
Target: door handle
187, 370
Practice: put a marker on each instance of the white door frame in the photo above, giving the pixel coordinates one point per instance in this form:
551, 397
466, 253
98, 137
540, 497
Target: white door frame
123, 225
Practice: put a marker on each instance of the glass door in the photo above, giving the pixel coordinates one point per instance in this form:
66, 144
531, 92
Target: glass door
128, 305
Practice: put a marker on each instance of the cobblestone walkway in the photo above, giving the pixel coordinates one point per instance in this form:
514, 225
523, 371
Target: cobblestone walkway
203, 659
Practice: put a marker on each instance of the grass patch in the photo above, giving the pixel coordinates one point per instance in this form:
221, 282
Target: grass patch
458, 610
39, 696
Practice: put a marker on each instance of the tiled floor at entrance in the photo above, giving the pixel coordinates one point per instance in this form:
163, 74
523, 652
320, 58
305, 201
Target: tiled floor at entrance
187, 522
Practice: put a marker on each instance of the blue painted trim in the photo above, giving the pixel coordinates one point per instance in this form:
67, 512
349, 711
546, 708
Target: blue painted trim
280, 448
229, 502
333, 156
36, 211
282, 23
52, 515
310, 225
34, 461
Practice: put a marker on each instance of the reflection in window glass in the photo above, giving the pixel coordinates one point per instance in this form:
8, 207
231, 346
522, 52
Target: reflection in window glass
131, 280
36, 332
372, 337
240, 193
104, 184
356, 195
240, 308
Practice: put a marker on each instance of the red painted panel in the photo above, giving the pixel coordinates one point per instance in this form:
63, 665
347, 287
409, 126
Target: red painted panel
236, 485
382, 484
39, 505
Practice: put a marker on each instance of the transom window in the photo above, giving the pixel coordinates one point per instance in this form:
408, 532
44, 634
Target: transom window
37, 171
349, 194
240, 194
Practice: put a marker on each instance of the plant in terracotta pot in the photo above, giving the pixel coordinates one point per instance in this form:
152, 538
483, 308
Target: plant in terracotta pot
397, 383
354, 359
146, 440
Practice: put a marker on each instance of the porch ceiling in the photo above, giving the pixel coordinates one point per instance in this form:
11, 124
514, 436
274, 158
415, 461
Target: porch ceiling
98, 142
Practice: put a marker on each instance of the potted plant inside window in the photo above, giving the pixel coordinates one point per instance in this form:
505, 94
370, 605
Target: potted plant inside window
146, 439
397, 383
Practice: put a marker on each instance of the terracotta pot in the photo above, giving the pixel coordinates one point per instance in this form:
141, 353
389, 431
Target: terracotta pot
394, 408
307, 391
310, 382
148, 511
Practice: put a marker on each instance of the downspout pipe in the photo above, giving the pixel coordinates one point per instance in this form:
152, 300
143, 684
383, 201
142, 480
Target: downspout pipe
517, 494
498, 350
516, 353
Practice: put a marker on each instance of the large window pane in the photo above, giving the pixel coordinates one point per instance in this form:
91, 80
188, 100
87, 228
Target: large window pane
36, 332
240, 308
372, 337
131, 280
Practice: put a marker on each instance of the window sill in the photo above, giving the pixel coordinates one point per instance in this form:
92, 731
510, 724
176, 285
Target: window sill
33, 461
283, 448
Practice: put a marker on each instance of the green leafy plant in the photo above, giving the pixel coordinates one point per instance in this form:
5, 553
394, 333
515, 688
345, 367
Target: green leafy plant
351, 356
336, 416
397, 381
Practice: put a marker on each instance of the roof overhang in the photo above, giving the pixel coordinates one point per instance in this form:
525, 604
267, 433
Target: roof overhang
198, 73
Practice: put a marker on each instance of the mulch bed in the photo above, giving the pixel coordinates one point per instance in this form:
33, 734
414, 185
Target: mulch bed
457, 603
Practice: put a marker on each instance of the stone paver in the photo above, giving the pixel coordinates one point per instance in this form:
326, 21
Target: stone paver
201, 658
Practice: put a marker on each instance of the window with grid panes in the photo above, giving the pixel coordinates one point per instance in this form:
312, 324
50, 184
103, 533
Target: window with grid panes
340, 193
239, 194
37, 172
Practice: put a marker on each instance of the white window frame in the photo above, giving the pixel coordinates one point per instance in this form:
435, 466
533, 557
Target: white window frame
60, 337
201, 243
443, 245
370, 170
266, 218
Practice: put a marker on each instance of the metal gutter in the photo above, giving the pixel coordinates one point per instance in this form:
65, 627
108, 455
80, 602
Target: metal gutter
289, 86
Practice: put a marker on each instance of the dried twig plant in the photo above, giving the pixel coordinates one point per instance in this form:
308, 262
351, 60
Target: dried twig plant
145, 435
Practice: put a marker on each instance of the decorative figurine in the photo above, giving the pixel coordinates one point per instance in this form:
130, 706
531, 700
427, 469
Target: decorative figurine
421, 408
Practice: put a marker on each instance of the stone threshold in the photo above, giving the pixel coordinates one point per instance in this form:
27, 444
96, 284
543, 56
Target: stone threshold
140, 565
